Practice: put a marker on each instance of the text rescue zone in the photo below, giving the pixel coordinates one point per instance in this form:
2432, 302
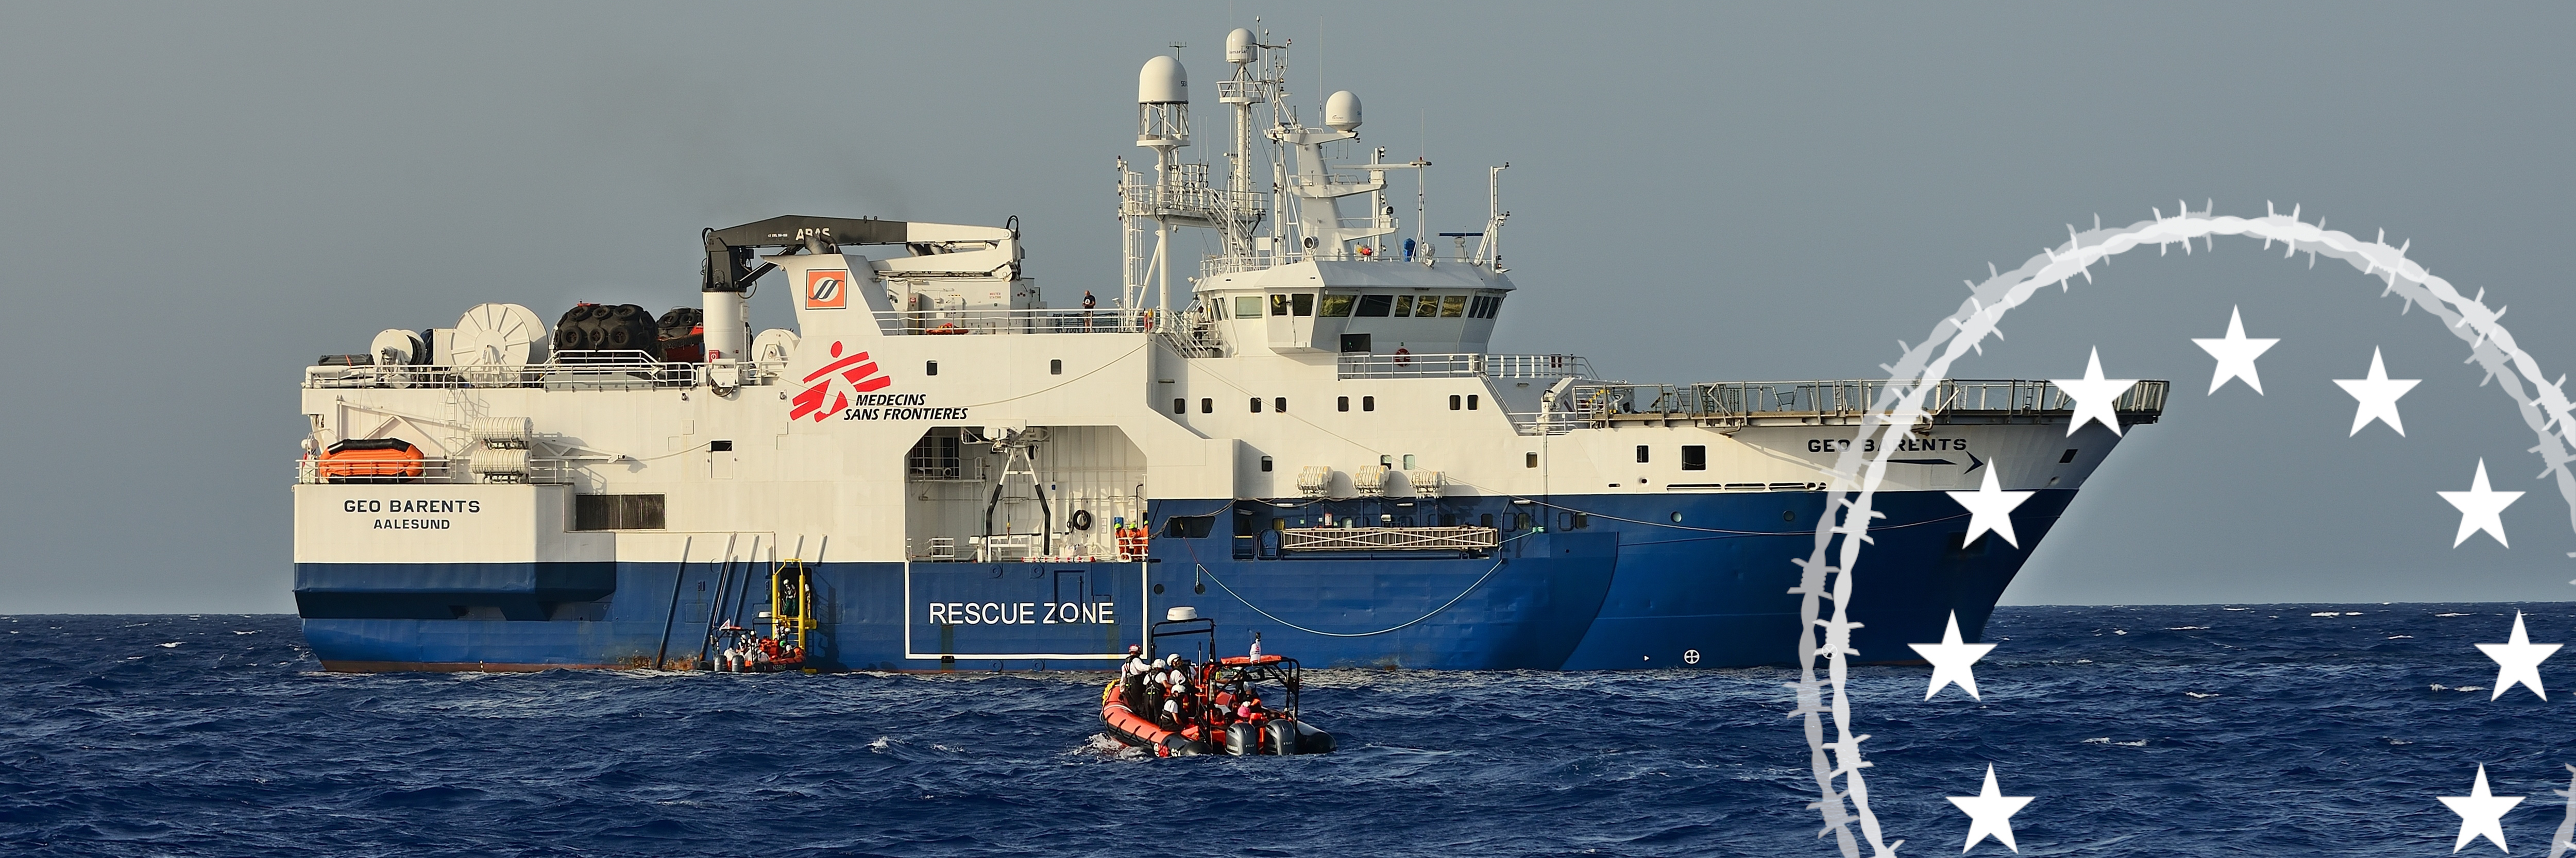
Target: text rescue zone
1022, 613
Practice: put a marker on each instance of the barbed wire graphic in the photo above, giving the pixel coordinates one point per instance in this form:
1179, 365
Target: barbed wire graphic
1843, 792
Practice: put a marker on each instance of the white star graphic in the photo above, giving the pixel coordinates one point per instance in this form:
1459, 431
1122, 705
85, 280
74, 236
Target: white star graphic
1990, 508
2481, 813
1951, 659
2481, 508
2235, 354
2377, 395
2094, 395
2518, 660
1990, 812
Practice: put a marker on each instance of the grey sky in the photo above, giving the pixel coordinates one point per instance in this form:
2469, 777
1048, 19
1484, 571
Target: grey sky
200, 198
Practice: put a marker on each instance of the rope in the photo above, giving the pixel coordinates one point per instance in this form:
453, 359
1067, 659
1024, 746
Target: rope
1480, 581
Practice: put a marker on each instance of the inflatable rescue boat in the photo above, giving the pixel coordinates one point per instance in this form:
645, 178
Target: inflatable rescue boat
1180, 705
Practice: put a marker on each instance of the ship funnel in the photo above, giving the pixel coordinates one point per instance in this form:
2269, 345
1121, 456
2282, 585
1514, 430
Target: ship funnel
1342, 111
1239, 47
1162, 82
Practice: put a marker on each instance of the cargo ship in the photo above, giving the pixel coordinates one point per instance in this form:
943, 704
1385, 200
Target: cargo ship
934, 466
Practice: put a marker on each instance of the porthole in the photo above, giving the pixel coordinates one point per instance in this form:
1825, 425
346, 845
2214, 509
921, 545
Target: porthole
1677, 517
1158, 589
1788, 515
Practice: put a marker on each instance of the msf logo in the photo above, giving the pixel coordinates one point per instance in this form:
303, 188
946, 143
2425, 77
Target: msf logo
827, 289
856, 371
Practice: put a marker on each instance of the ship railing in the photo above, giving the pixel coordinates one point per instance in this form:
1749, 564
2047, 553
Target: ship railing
1746, 402
563, 370
1188, 194
312, 470
1388, 539
1237, 263
1358, 365
1076, 321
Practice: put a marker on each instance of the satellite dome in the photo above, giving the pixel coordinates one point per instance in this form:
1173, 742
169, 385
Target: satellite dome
1342, 111
1162, 82
1239, 47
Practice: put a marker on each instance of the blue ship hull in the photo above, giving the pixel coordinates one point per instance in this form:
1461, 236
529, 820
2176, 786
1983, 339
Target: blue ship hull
1630, 581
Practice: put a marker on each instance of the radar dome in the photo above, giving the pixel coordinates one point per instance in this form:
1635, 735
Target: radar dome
1342, 111
1162, 82
1239, 47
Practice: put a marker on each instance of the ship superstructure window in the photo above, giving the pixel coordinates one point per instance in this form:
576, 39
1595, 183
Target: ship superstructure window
2069, 457
1453, 306
617, 512
1471, 401
930, 367
935, 456
1368, 403
1188, 526
1529, 460
1055, 367
1374, 305
1256, 405
1265, 464
1694, 457
1207, 406
1278, 404
1403, 306
1484, 306
1301, 304
1247, 306
1180, 406
1334, 306
1454, 401
1341, 403
1641, 453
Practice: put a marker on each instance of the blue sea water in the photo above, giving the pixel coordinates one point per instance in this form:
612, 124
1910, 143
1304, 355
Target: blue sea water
2156, 730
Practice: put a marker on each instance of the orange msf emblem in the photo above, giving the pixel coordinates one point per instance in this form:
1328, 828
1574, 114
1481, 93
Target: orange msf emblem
827, 289
856, 370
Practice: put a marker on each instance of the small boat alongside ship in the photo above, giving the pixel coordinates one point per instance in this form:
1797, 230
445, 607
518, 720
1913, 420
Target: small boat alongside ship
1243, 705
933, 466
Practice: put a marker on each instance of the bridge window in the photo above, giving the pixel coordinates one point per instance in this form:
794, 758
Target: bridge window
1301, 304
1403, 306
1247, 306
1694, 457
1453, 306
1374, 305
1278, 305
1335, 306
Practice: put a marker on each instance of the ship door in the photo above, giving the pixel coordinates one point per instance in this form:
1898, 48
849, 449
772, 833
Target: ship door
1072, 586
